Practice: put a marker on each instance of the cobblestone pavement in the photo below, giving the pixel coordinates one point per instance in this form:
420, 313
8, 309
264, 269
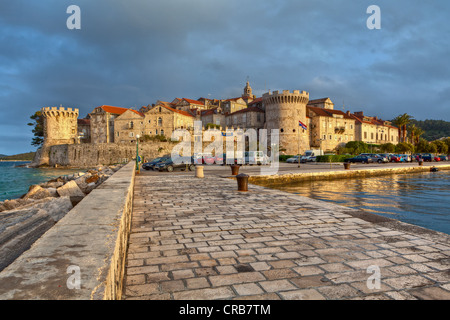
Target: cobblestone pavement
202, 239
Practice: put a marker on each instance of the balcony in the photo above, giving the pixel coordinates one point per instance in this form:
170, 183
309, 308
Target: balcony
339, 130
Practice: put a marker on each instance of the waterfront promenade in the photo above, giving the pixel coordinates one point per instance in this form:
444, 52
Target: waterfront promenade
197, 238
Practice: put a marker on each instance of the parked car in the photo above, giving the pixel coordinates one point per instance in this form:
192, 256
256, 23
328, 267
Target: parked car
151, 164
427, 157
405, 158
387, 156
204, 158
169, 166
361, 159
254, 157
437, 158
443, 157
376, 157
293, 159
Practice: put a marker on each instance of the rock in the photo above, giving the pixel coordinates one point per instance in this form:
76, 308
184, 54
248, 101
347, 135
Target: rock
37, 192
94, 178
20, 228
52, 184
53, 192
70, 189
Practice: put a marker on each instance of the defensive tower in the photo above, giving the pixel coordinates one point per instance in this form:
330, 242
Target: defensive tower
60, 125
284, 110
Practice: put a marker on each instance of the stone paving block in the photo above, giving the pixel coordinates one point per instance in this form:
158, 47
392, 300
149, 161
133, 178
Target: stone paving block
305, 294
205, 294
224, 280
277, 285
248, 289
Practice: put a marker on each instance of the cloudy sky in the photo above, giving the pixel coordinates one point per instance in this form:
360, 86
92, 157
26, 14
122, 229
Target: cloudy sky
135, 52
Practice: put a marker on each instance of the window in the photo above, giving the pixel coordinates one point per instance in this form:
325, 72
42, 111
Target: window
365, 135
117, 133
371, 135
149, 121
131, 134
160, 122
331, 137
324, 124
156, 131
131, 125
160, 109
162, 132
324, 137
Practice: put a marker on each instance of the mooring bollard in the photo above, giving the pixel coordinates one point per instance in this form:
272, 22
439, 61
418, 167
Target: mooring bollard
347, 165
199, 172
242, 180
420, 162
234, 169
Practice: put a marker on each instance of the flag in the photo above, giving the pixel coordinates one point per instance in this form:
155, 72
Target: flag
301, 124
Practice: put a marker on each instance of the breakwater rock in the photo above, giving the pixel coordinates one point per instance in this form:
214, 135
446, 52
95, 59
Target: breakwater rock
24, 220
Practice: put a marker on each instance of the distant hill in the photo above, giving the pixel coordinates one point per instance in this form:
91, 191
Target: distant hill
434, 129
22, 157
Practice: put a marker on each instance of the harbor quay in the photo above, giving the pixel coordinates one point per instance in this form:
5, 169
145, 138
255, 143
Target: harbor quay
202, 239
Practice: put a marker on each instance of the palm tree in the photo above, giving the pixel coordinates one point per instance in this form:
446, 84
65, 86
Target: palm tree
412, 129
418, 133
401, 122
397, 121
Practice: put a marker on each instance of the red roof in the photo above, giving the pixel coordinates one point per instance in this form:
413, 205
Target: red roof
193, 101
249, 109
328, 112
118, 110
184, 113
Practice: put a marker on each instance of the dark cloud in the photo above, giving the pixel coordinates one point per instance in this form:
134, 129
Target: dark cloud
132, 53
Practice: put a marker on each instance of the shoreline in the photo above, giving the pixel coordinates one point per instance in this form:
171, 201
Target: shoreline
289, 178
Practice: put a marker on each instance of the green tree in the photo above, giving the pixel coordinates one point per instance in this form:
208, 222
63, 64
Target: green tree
387, 147
357, 147
38, 129
441, 146
422, 146
403, 147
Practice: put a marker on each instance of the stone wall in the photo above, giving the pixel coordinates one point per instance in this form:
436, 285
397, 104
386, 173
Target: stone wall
83, 256
89, 155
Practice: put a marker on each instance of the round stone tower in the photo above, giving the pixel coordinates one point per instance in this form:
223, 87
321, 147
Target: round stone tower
284, 110
60, 127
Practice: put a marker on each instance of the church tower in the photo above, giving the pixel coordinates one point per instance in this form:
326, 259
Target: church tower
248, 96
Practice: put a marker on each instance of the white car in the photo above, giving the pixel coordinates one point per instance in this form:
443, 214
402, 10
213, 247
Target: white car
294, 159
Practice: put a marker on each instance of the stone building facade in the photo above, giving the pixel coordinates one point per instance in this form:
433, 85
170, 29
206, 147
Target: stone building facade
373, 130
128, 126
330, 128
163, 120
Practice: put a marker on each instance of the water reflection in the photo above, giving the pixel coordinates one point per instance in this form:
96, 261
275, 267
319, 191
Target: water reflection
419, 198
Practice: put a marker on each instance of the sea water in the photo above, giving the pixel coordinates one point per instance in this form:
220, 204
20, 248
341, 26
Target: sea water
422, 199
16, 180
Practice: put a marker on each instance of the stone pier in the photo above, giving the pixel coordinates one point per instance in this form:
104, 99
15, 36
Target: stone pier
202, 239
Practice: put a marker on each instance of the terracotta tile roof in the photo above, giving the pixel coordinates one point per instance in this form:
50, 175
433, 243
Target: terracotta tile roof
373, 121
328, 112
209, 111
314, 101
184, 113
118, 110
84, 121
257, 100
193, 101
249, 109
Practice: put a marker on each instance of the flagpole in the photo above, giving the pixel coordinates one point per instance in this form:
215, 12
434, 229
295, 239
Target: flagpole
299, 145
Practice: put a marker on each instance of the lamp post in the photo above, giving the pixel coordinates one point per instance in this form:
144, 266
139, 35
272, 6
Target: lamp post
137, 154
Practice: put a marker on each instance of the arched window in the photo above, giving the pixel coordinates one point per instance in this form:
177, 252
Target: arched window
162, 132
160, 121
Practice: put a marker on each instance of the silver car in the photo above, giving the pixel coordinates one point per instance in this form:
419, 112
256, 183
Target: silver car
294, 159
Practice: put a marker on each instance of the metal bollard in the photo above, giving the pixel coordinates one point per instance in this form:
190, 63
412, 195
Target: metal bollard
199, 172
242, 180
234, 169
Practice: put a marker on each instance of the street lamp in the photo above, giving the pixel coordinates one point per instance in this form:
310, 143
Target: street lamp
137, 153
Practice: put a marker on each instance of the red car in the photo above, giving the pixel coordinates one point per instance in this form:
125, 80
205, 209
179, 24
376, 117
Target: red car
437, 159
395, 158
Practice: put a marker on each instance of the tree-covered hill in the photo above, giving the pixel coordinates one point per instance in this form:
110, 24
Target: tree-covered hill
21, 157
434, 129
